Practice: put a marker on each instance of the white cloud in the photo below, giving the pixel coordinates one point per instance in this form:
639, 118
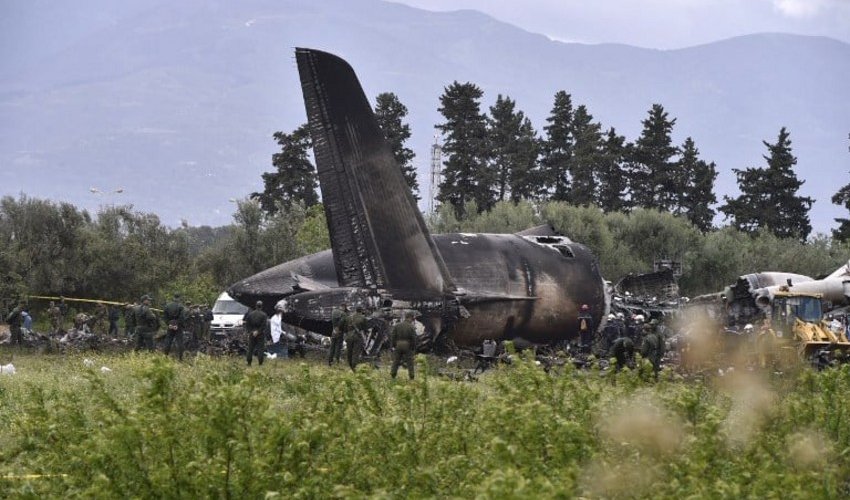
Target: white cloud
799, 8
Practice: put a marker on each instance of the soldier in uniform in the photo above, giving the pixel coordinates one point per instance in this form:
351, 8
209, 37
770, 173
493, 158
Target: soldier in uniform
653, 346
175, 321
55, 315
256, 324
129, 319
207, 316
403, 341
339, 320
355, 326
99, 327
146, 324
15, 320
114, 315
623, 350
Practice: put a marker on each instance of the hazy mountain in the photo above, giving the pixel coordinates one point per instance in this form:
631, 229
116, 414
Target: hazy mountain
176, 102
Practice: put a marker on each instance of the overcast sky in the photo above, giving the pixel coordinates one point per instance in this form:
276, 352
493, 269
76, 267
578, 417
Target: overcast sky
663, 24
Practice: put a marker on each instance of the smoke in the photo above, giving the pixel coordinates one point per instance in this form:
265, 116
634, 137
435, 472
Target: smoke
807, 449
752, 403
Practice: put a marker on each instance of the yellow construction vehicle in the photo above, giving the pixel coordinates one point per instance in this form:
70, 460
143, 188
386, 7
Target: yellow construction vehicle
800, 332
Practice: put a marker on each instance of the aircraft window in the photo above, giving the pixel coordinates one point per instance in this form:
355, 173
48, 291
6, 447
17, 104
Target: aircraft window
565, 251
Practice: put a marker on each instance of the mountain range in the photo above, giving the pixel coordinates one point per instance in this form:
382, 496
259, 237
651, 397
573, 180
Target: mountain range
175, 103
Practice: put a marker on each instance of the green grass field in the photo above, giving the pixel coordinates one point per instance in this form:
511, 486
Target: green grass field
155, 428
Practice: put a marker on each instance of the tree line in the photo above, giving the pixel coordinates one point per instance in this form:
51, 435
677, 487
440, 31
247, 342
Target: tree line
499, 156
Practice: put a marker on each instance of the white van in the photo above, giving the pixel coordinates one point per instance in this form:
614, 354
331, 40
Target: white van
227, 316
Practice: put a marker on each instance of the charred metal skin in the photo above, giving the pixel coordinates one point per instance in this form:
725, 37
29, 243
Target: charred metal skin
512, 286
466, 287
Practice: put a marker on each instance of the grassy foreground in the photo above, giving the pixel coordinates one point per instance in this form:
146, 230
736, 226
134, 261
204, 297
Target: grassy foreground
154, 428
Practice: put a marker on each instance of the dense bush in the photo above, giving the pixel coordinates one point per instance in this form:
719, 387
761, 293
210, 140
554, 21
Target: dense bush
153, 428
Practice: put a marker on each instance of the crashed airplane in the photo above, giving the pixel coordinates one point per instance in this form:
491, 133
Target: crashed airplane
466, 287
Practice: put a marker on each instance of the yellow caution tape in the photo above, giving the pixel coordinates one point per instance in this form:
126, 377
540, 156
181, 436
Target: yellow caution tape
91, 301
31, 476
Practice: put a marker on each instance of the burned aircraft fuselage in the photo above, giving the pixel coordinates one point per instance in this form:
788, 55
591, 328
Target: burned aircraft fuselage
510, 286
466, 287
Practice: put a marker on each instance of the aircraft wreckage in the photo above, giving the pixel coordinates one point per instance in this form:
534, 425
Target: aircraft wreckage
466, 288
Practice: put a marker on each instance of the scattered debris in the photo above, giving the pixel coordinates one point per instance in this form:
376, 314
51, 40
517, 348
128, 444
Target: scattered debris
7, 369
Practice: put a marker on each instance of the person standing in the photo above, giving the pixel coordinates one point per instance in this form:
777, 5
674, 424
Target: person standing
114, 315
55, 315
356, 326
585, 329
207, 316
653, 346
147, 324
129, 319
339, 321
14, 320
256, 324
403, 342
175, 320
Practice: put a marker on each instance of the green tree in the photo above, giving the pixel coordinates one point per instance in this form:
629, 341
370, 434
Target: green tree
558, 147
513, 150
653, 180
695, 199
842, 197
526, 181
294, 178
465, 173
586, 159
611, 195
390, 113
769, 197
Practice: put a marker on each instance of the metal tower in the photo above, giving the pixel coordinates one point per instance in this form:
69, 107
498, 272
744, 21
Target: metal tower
436, 173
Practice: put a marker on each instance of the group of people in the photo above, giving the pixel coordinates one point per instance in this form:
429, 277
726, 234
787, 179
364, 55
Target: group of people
351, 327
621, 338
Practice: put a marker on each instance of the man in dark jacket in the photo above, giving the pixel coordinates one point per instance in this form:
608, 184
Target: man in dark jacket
15, 319
175, 321
147, 323
356, 326
256, 323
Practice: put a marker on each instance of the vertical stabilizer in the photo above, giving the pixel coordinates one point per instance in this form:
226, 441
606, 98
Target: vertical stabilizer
377, 233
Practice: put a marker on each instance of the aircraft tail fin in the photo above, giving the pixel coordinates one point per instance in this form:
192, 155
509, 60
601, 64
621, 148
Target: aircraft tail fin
377, 233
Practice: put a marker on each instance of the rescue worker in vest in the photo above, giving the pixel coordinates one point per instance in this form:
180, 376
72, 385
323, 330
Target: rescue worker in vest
653, 346
175, 321
585, 329
403, 342
147, 324
339, 321
256, 323
15, 319
356, 326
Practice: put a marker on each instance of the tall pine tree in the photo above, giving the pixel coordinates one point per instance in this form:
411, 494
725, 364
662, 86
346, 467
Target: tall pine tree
652, 177
294, 178
769, 195
842, 197
612, 179
390, 113
558, 147
513, 147
526, 181
586, 159
465, 172
697, 179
